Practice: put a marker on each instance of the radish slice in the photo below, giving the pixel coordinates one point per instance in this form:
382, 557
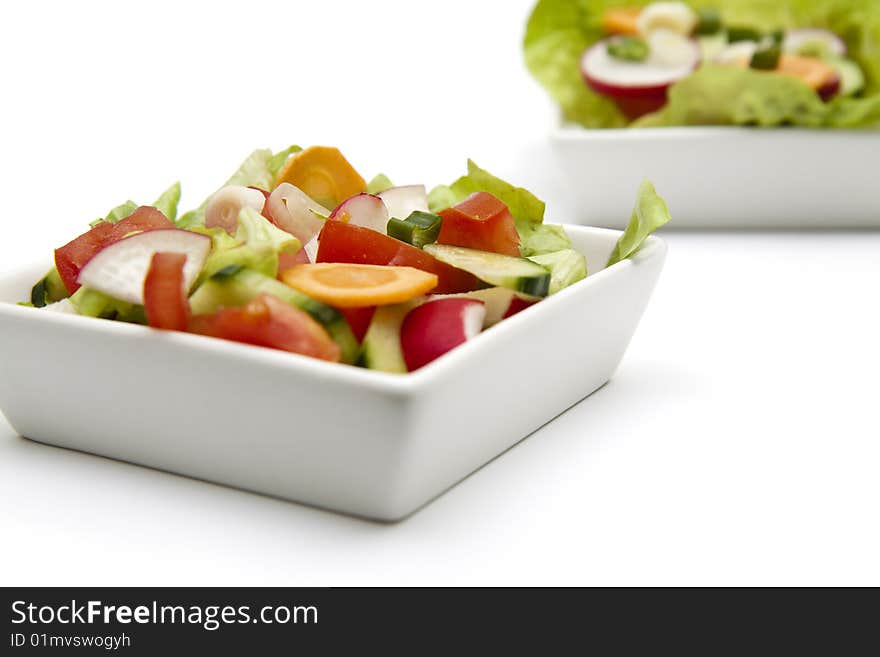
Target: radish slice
739, 54
64, 307
119, 270
436, 327
227, 202
675, 16
800, 38
364, 210
640, 87
403, 201
292, 210
311, 249
499, 302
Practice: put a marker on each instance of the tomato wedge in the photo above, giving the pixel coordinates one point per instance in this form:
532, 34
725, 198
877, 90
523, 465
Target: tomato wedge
73, 256
480, 222
359, 320
344, 242
269, 322
346, 285
165, 301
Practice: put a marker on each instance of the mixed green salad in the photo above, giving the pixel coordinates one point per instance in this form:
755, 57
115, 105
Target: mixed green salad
617, 63
297, 252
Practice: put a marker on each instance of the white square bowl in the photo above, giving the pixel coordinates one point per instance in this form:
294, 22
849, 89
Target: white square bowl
366, 443
721, 177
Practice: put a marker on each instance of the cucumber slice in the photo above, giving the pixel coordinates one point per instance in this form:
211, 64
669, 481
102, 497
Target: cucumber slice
516, 274
852, 79
235, 286
49, 289
381, 348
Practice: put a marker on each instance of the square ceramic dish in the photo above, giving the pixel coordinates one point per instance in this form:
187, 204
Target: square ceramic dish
334, 436
721, 177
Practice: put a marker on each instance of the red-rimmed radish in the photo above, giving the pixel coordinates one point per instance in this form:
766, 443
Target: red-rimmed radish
73, 256
500, 302
813, 41
165, 297
403, 201
366, 210
120, 269
293, 211
227, 202
436, 327
639, 87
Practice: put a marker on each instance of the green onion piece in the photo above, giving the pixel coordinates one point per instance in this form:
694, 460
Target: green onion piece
736, 33
777, 36
766, 58
38, 294
631, 49
418, 229
709, 22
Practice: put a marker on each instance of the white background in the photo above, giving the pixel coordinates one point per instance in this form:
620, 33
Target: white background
738, 443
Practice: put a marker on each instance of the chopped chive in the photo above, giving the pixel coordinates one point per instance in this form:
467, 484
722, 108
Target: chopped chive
418, 229
709, 21
631, 49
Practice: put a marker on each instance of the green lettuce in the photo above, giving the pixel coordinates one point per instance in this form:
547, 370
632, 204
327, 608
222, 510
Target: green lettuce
527, 209
566, 267
537, 239
726, 95
558, 31
168, 200
166, 203
649, 214
257, 244
379, 184
260, 169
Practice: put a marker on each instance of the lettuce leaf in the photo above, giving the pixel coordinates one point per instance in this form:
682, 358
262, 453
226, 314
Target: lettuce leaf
525, 207
566, 267
725, 95
649, 214
559, 31
168, 200
379, 184
260, 169
538, 239
257, 244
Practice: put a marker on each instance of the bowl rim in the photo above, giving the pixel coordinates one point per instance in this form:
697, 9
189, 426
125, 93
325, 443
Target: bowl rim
384, 382
565, 132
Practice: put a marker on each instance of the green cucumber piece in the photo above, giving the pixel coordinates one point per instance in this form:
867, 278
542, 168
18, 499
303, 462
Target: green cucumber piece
381, 348
852, 78
517, 274
709, 21
629, 49
236, 286
92, 303
49, 289
737, 33
418, 229
766, 58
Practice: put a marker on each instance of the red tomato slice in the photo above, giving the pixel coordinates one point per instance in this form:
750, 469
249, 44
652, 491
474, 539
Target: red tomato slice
269, 322
343, 242
480, 222
165, 300
359, 320
73, 256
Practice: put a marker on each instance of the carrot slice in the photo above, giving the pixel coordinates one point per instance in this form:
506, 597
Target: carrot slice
810, 70
324, 174
356, 286
621, 20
